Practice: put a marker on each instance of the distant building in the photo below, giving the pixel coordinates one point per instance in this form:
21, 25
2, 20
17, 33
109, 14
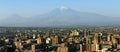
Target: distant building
74, 33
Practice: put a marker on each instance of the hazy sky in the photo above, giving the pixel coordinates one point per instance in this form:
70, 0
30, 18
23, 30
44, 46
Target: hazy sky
29, 8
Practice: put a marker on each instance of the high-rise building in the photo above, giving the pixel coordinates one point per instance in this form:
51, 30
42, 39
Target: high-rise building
48, 40
85, 34
55, 40
88, 47
88, 40
34, 36
109, 37
81, 48
33, 48
38, 40
94, 47
95, 41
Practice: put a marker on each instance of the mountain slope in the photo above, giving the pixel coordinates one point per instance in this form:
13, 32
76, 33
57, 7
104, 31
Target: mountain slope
69, 17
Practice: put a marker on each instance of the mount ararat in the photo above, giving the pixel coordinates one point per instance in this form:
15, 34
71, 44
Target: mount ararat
59, 17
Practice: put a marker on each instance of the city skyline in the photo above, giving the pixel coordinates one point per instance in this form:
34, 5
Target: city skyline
59, 26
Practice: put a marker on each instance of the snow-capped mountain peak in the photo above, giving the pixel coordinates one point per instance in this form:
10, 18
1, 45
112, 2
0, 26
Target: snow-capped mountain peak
61, 8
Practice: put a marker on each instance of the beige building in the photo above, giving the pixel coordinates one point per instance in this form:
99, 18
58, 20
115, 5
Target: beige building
94, 47
39, 40
55, 40
81, 48
74, 33
18, 44
62, 48
28, 41
32, 48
